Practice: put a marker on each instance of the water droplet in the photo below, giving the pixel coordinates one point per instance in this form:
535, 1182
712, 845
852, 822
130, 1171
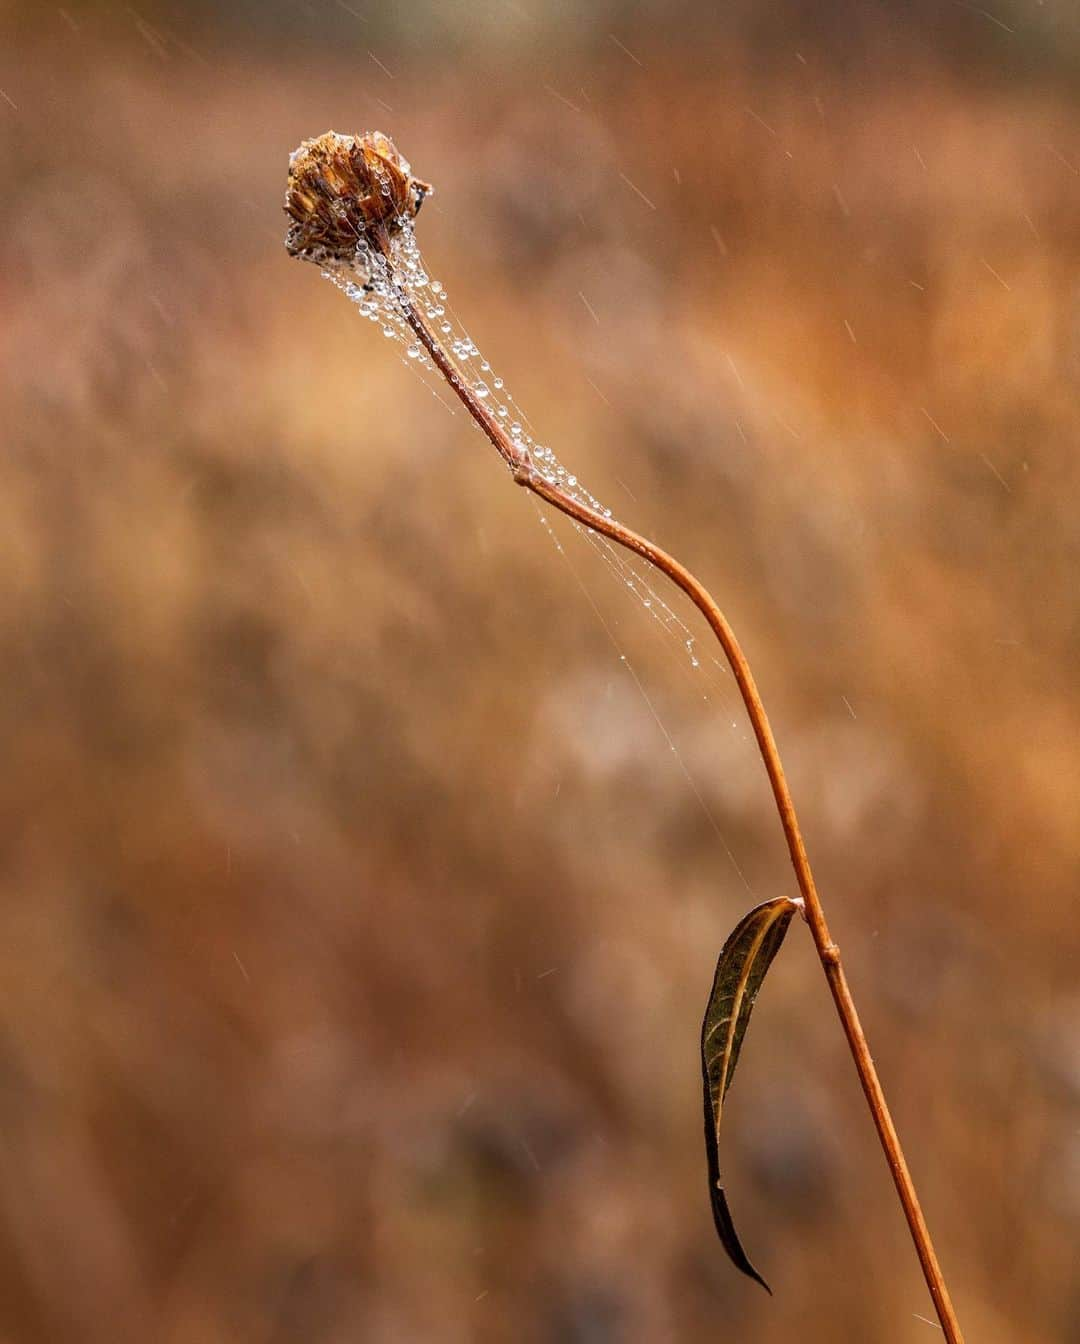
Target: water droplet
481, 389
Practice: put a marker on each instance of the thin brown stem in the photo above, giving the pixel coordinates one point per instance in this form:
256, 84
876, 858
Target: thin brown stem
525, 473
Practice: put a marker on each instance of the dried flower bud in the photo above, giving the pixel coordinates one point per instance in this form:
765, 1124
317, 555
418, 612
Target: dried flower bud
346, 189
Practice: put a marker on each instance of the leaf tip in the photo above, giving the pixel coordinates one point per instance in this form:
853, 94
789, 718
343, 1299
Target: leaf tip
729, 1238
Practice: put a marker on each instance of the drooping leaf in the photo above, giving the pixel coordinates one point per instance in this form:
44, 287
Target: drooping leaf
744, 959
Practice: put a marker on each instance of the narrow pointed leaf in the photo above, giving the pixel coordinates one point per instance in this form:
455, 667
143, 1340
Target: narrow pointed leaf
744, 959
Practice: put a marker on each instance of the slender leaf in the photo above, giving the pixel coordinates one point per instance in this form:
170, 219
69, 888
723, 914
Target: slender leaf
744, 959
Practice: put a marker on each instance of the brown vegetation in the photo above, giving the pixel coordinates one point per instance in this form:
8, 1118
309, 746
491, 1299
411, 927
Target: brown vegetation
357, 919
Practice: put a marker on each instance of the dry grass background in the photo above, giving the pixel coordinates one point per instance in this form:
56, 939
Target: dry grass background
356, 919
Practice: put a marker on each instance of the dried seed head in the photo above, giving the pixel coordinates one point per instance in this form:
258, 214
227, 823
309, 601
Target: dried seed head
344, 190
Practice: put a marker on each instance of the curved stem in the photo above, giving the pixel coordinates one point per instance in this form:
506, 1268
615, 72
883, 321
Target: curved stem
517, 458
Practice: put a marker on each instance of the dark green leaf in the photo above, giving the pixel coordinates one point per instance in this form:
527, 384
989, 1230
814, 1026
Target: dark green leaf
744, 959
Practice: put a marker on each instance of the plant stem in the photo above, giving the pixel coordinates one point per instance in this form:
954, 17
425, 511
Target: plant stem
517, 458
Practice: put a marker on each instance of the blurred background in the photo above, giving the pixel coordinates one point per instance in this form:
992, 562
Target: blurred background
365, 858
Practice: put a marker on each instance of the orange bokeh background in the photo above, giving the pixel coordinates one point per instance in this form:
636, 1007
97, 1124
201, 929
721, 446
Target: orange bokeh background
360, 900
